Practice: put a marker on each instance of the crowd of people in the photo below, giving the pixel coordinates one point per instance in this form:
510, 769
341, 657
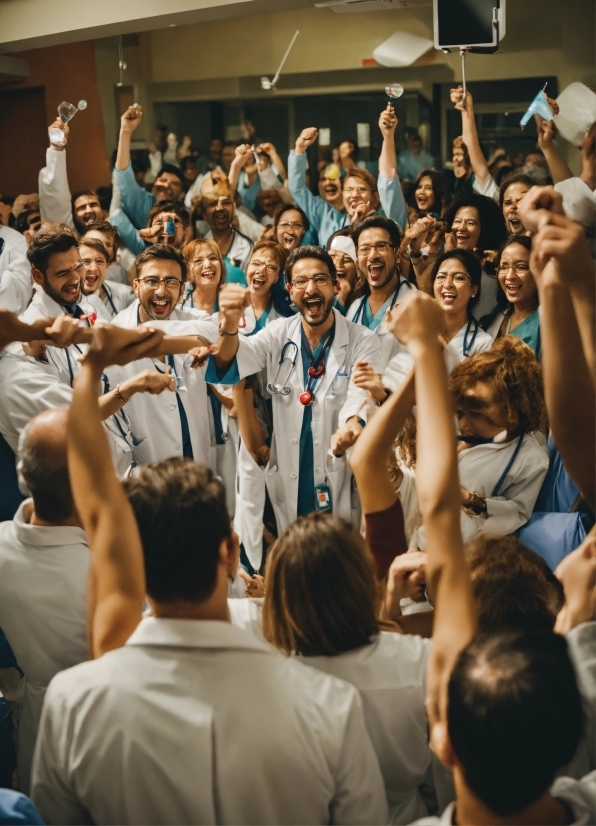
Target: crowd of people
298, 486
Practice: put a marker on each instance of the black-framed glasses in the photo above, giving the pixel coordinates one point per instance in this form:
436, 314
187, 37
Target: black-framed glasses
381, 246
153, 282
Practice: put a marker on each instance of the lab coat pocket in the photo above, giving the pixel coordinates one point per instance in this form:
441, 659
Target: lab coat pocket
142, 451
340, 384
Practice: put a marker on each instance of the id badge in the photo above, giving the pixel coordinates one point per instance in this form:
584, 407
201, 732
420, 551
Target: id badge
323, 497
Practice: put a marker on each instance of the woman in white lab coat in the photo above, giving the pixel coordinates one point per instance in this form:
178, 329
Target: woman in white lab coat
320, 604
502, 455
265, 268
206, 275
455, 282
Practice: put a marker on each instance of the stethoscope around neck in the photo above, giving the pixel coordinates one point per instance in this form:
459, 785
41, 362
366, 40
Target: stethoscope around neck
359, 312
288, 357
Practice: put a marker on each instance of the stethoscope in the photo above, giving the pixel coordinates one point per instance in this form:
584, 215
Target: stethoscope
360, 310
109, 297
278, 387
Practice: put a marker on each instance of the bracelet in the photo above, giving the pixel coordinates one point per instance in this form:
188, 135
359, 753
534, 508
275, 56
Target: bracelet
119, 395
387, 394
223, 332
414, 254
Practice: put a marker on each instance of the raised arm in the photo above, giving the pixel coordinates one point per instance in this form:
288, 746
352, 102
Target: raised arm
275, 158
418, 323
136, 201
391, 196
107, 517
470, 133
54, 192
388, 157
556, 165
243, 155
372, 451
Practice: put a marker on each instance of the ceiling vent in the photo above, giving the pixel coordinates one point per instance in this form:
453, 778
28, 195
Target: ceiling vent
354, 6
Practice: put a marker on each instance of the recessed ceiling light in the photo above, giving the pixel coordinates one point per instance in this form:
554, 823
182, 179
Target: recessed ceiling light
172, 25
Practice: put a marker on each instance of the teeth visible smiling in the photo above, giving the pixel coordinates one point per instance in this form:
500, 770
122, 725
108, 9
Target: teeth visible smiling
448, 296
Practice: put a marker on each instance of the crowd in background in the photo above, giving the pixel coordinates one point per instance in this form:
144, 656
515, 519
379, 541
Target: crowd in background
297, 472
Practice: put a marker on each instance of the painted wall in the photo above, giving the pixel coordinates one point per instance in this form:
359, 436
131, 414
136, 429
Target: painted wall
68, 73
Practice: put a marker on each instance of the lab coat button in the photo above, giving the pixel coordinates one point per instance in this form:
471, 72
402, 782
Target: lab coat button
294, 441
294, 476
316, 444
317, 470
178, 447
172, 406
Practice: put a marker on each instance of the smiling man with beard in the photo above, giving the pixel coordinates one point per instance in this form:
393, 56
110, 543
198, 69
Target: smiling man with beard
309, 361
178, 423
218, 211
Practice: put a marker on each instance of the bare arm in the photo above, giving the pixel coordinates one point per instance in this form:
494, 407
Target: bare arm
128, 123
418, 323
372, 451
556, 165
243, 155
388, 156
275, 158
118, 581
470, 134
248, 424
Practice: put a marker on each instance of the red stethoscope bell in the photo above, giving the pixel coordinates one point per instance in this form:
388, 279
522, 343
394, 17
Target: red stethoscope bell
306, 398
90, 317
316, 372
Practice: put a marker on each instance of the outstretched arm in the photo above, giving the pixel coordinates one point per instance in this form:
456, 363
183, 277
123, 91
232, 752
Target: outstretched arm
118, 580
470, 133
372, 451
418, 323
556, 165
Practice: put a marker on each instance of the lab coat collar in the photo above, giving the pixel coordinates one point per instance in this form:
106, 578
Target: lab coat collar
44, 536
186, 633
48, 307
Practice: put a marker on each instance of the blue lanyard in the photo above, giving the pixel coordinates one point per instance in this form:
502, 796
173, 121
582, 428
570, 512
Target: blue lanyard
472, 322
497, 487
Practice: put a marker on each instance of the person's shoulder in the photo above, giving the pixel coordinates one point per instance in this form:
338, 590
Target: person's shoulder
317, 690
533, 446
68, 688
245, 238
127, 317
579, 795
13, 238
415, 648
120, 290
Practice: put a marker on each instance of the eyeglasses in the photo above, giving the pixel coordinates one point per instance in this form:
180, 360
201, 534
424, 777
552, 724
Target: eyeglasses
291, 225
382, 246
519, 267
457, 277
469, 222
319, 280
261, 265
89, 262
356, 190
153, 282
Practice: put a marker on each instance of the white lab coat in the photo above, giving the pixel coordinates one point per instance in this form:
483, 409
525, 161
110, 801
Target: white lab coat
390, 674
155, 420
390, 346
251, 486
336, 399
581, 642
62, 364
480, 468
239, 252
197, 722
121, 296
54, 193
43, 592
15, 271
402, 362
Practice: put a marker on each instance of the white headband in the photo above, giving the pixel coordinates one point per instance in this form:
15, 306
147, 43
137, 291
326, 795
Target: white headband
344, 244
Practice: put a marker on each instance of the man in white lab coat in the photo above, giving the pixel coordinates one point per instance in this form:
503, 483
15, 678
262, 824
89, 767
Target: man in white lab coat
192, 720
44, 566
316, 406
172, 424
15, 273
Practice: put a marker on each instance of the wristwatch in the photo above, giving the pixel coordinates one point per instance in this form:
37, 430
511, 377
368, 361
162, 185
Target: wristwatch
413, 254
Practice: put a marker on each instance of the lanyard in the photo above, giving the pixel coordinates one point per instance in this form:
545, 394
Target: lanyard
497, 487
472, 322
109, 297
76, 313
317, 363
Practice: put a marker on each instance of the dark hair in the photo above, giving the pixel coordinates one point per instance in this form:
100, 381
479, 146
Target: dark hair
172, 170
180, 508
94, 244
502, 304
518, 178
161, 252
177, 207
22, 222
492, 223
286, 208
104, 194
514, 716
79, 194
108, 229
514, 588
309, 251
321, 589
415, 137
47, 479
356, 149
48, 242
472, 264
188, 159
440, 189
392, 228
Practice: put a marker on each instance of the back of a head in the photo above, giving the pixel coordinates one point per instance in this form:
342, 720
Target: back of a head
42, 461
514, 717
321, 589
180, 508
513, 586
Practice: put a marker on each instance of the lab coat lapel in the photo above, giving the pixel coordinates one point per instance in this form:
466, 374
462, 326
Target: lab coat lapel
336, 360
